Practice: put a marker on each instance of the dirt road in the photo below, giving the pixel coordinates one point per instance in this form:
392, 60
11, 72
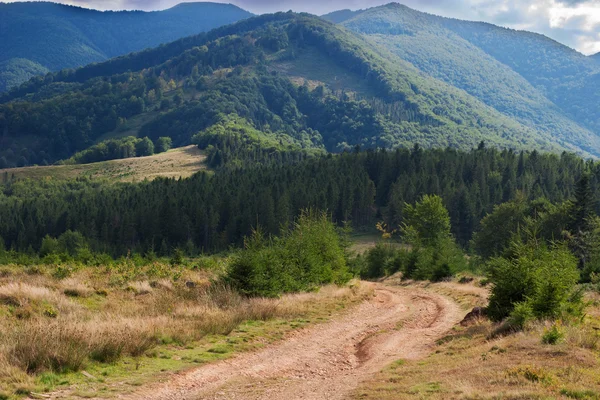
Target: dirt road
326, 361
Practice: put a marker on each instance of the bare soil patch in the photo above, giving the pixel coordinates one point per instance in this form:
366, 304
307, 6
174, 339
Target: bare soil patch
327, 361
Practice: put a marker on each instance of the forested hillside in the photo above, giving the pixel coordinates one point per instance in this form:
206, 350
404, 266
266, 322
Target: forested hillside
213, 211
294, 78
37, 37
539, 82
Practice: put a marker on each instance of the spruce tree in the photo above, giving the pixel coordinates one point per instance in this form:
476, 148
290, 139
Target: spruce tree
583, 207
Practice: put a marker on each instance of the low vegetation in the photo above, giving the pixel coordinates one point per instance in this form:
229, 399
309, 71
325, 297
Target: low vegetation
304, 258
175, 163
58, 320
429, 253
546, 360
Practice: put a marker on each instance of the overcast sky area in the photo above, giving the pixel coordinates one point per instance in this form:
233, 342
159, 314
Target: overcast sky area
575, 23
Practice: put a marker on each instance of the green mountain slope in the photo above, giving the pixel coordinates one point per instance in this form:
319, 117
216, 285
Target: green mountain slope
298, 80
56, 36
17, 70
520, 74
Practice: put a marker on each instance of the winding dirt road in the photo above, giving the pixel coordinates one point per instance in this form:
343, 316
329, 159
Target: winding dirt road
326, 361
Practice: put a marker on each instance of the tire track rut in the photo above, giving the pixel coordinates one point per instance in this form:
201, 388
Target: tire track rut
326, 361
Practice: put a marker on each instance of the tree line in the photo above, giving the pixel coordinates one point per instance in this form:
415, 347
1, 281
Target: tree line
214, 210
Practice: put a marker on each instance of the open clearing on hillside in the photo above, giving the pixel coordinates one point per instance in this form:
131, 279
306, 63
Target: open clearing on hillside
326, 361
312, 68
175, 163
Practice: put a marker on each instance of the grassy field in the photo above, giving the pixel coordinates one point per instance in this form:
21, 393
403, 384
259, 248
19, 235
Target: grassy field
107, 330
175, 163
470, 363
363, 242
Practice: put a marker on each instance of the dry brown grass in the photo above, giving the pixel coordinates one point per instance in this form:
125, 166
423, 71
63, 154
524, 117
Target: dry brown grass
176, 163
29, 298
74, 288
467, 364
63, 325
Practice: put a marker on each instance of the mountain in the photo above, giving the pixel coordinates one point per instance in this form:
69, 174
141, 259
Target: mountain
337, 17
284, 80
36, 37
539, 82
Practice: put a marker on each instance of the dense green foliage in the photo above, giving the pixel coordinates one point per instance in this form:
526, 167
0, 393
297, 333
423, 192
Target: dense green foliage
17, 70
234, 142
430, 252
534, 274
308, 255
114, 149
38, 37
534, 281
499, 228
212, 211
427, 222
191, 85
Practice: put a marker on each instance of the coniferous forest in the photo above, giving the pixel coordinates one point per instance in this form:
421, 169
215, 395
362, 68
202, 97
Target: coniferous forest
211, 211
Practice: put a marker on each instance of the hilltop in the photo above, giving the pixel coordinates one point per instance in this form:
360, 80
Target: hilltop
292, 78
38, 37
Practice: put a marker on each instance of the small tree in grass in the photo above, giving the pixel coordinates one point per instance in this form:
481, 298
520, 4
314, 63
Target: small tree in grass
427, 222
536, 280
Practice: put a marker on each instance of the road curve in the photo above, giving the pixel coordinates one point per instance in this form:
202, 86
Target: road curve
325, 361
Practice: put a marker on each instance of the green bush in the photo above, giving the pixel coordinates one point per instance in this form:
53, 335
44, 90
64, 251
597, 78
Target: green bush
71, 242
49, 246
437, 262
542, 278
434, 263
520, 316
410, 266
427, 222
301, 259
553, 335
377, 261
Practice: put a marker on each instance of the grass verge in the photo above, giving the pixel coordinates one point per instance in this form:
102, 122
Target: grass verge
99, 332
469, 364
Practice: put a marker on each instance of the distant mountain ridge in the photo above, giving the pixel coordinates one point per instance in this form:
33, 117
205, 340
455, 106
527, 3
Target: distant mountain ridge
36, 37
282, 80
384, 77
530, 77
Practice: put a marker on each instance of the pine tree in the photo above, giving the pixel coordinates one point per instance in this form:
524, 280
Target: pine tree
583, 207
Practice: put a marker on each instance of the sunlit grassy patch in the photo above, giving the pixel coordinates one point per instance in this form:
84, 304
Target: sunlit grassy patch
107, 331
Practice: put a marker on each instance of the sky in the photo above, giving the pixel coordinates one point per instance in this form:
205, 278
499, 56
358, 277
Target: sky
575, 23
